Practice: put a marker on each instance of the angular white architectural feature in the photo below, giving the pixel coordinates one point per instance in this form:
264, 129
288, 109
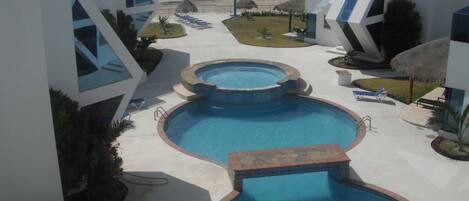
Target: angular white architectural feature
358, 25
86, 59
457, 81
29, 167
318, 30
141, 11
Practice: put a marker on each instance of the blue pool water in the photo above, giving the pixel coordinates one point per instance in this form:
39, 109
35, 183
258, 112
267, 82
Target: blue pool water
317, 186
213, 130
236, 75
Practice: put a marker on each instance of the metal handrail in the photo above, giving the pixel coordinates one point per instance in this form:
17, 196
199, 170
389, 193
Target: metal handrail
160, 113
363, 121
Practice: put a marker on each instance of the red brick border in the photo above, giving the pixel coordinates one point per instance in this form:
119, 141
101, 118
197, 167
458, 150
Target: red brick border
232, 195
374, 189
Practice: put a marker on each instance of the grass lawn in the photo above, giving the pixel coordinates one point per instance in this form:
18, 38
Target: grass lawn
174, 31
149, 59
246, 31
397, 88
357, 64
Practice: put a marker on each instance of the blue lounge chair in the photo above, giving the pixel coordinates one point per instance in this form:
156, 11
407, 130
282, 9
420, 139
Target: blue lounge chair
137, 103
380, 94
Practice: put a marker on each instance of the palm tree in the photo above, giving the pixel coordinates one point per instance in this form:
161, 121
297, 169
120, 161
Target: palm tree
264, 32
460, 122
291, 7
164, 24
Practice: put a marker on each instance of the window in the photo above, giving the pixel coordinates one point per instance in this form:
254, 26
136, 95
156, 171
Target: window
460, 27
311, 26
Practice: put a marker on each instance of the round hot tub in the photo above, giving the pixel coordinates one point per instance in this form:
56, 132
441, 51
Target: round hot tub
240, 80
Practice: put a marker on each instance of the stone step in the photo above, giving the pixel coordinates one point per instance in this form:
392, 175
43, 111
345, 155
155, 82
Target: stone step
184, 93
304, 89
337, 50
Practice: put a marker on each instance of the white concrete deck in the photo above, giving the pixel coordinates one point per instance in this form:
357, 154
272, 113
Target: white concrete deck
395, 155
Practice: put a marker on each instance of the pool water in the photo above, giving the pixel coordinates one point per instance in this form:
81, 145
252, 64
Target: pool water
213, 130
316, 186
241, 75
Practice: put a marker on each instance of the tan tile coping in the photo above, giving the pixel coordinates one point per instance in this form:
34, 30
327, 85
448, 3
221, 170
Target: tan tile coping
288, 157
190, 79
295, 160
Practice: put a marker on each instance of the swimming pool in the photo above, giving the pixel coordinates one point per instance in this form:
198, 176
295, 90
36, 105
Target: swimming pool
241, 75
213, 130
240, 81
246, 108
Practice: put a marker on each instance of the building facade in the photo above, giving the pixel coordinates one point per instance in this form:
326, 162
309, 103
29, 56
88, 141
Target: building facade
457, 81
358, 25
318, 30
355, 24
101, 74
66, 45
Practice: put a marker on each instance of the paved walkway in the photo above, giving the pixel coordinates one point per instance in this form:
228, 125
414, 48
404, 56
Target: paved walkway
422, 116
395, 155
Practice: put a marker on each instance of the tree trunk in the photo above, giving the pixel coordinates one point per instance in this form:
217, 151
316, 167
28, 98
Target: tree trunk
289, 20
411, 90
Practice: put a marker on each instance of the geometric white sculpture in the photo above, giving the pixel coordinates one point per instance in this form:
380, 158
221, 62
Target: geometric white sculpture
358, 26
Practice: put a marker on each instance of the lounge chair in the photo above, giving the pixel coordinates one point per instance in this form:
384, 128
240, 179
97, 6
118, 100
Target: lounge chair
137, 103
429, 103
380, 95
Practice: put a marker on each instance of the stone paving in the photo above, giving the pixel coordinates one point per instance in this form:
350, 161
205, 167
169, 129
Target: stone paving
395, 155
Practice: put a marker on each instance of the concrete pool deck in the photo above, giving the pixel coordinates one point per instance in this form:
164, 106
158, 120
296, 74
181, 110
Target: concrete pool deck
395, 155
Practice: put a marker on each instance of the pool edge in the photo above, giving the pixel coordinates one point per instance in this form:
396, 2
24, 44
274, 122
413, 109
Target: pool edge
349, 181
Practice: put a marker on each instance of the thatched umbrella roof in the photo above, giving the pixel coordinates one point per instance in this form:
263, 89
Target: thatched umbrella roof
295, 6
246, 4
426, 62
186, 7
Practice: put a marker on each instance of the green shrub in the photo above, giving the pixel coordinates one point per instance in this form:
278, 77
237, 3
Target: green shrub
122, 25
86, 150
263, 13
402, 27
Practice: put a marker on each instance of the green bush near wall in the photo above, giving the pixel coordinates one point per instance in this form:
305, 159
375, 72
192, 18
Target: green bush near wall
90, 166
402, 28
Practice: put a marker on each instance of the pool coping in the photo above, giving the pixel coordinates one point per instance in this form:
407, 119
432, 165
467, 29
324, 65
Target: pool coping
190, 80
349, 181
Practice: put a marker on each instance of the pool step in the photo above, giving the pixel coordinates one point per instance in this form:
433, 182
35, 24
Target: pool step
184, 93
286, 161
304, 89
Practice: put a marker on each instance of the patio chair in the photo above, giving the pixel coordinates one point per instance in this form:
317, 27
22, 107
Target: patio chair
435, 104
126, 116
380, 94
137, 103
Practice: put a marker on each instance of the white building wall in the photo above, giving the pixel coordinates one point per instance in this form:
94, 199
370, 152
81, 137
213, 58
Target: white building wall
60, 46
324, 36
29, 167
457, 74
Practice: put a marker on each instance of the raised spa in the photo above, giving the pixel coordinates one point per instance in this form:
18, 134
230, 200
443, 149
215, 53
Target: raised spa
240, 81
